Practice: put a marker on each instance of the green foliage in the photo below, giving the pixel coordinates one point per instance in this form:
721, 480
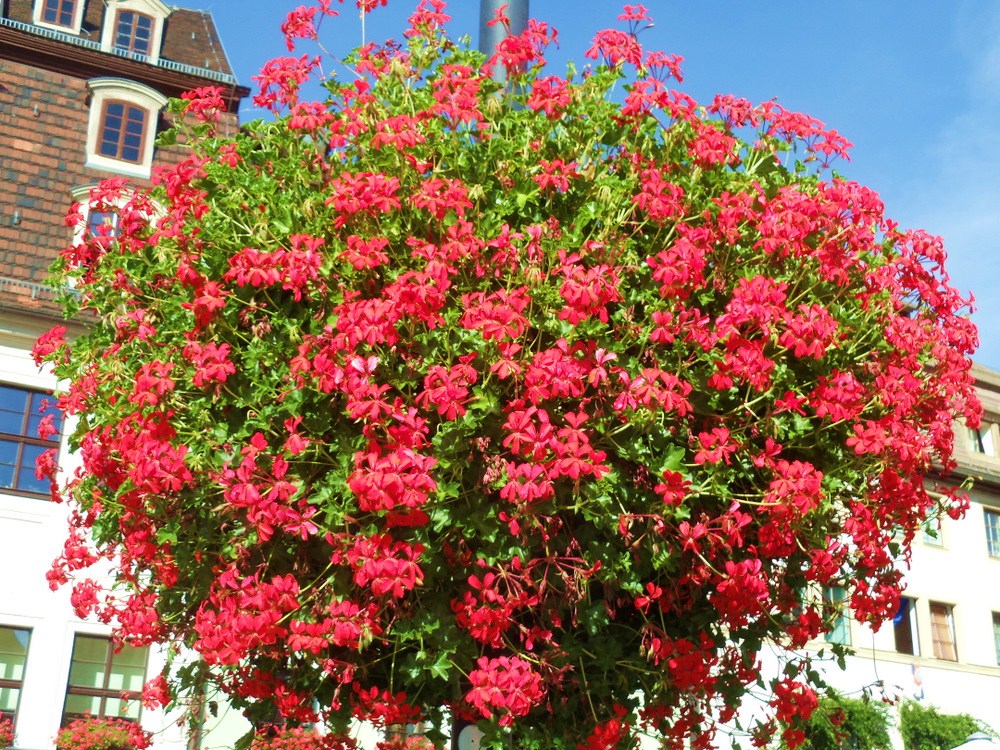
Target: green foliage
924, 728
525, 402
855, 723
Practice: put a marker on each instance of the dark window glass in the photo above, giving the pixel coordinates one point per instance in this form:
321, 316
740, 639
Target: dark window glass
904, 627
21, 413
102, 682
59, 12
122, 131
102, 224
133, 32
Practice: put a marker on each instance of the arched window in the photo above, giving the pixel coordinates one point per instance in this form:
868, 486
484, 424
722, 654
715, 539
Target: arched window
123, 119
122, 131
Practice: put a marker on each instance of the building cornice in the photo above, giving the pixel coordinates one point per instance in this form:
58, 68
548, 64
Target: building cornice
54, 55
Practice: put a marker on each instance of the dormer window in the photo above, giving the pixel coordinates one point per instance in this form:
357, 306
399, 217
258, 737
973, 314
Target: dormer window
134, 28
59, 12
134, 32
123, 119
123, 131
62, 15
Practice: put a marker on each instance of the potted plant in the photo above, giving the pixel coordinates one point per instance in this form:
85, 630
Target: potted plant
93, 733
6, 733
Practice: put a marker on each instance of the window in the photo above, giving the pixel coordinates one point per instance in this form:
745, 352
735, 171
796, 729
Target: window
992, 520
135, 27
981, 439
134, 32
63, 15
13, 655
102, 682
840, 626
904, 627
122, 132
996, 636
943, 631
122, 128
102, 223
21, 414
932, 533
59, 12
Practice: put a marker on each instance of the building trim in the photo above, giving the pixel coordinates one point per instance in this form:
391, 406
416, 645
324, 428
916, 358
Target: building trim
82, 58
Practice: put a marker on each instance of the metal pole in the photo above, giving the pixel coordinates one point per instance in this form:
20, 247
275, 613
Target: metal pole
490, 36
464, 735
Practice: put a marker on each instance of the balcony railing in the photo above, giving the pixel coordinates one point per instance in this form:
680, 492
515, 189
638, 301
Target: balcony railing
30, 289
78, 41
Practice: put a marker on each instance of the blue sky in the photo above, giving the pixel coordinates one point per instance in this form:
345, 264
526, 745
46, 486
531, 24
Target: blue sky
914, 85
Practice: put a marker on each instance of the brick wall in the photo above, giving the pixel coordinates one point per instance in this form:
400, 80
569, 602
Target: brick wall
43, 129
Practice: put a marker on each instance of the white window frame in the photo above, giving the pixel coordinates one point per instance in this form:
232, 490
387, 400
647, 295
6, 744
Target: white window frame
37, 18
153, 8
103, 90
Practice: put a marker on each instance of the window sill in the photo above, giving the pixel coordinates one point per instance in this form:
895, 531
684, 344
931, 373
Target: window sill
117, 166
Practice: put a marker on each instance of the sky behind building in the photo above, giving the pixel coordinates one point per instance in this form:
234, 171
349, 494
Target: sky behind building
914, 85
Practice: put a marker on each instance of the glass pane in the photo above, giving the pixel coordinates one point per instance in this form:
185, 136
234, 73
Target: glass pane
90, 654
77, 705
87, 674
8, 699
13, 653
130, 656
992, 519
26, 479
13, 404
42, 405
124, 709
996, 635
126, 678
102, 223
8, 462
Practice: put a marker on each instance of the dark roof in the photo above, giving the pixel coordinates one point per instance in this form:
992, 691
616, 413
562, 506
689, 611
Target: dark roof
189, 36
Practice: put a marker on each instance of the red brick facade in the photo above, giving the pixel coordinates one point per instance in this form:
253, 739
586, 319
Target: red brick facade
44, 114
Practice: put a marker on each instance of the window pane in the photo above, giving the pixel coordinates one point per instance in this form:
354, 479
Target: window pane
90, 654
932, 533
13, 405
87, 674
126, 678
59, 12
996, 636
130, 656
42, 405
13, 653
992, 520
124, 709
981, 439
26, 479
77, 705
904, 627
8, 462
840, 632
8, 699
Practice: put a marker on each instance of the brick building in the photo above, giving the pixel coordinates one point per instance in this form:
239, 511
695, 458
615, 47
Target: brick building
83, 87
